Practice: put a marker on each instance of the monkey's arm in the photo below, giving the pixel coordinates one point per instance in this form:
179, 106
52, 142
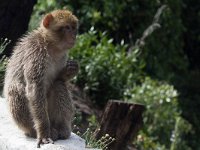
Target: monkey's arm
70, 71
34, 73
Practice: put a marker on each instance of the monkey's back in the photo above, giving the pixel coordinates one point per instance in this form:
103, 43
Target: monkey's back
26, 48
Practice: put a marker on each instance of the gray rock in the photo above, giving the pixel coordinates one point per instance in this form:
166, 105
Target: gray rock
11, 138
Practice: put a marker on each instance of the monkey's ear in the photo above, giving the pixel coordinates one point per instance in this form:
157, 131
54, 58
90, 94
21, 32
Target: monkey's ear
47, 20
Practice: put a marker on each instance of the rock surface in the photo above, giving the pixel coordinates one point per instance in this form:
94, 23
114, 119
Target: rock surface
11, 138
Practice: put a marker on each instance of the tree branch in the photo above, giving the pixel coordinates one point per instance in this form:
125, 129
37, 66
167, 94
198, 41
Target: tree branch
150, 29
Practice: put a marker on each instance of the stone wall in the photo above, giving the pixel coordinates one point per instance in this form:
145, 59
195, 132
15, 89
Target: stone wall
11, 138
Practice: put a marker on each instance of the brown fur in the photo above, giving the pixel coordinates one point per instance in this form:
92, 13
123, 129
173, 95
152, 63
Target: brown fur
36, 75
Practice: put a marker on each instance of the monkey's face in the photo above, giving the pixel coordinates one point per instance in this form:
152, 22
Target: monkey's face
63, 25
67, 35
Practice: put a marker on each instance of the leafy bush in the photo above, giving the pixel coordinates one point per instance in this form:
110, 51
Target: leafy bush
3, 60
162, 119
109, 71
106, 69
41, 8
92, 142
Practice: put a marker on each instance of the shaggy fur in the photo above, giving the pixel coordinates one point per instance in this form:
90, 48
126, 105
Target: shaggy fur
36, 75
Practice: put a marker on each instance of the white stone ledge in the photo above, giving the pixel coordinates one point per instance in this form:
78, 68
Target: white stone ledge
11, 138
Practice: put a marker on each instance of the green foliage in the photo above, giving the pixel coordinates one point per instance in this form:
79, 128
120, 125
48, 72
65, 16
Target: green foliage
182, 127
114, 71
106, 69
3, 60
3, 44
163, 125
42, 7
109, 71
163, 50
92, 142
189, 101
160, 100
121, 19
126, 20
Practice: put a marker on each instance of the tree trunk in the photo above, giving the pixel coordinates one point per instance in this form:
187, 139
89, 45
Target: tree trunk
14, 19
121, 121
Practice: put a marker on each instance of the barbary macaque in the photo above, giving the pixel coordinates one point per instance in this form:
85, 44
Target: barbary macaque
37, 75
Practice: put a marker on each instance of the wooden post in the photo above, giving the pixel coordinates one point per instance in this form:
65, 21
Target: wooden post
121, 120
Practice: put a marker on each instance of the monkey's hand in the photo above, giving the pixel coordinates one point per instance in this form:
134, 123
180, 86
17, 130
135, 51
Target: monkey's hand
70, 70
44, 141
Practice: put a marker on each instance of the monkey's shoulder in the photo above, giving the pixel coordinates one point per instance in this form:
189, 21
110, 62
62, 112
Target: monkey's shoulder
31, 44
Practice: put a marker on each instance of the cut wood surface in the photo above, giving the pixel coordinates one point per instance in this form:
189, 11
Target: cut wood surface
121, 120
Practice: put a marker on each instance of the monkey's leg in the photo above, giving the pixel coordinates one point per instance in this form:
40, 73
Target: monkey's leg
60, 108
18, 105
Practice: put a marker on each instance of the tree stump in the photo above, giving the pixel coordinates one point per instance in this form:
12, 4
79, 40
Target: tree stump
121, 120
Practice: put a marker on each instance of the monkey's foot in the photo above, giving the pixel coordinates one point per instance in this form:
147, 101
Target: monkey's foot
31, 133
54, 134
44, 141
64, 134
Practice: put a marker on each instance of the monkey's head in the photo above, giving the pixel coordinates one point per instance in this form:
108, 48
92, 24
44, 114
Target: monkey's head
62, 26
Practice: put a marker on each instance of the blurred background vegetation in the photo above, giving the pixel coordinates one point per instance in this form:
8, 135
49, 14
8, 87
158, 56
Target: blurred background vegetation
164, 74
